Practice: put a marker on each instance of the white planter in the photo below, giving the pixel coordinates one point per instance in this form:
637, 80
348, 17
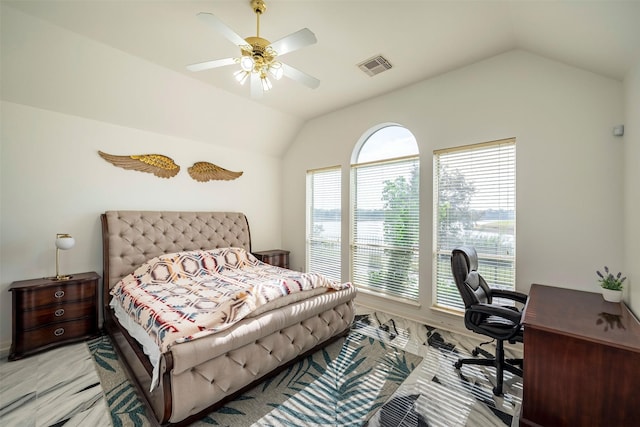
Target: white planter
611, 295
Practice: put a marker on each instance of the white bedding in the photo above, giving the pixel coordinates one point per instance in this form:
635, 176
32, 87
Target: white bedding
148, 344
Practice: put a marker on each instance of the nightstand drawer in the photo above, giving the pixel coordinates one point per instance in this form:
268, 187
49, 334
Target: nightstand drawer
57, 313
54, 334
59, 293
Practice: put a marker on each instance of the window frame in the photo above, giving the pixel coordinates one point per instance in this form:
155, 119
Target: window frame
490, 265
333, 268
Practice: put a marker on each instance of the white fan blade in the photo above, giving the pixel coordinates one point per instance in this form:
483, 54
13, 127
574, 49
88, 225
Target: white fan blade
256, 86
300, 77
222, 28
294, 41
211, 64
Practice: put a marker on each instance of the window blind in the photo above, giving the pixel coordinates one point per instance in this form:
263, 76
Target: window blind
474, 205
324, 222
385, 227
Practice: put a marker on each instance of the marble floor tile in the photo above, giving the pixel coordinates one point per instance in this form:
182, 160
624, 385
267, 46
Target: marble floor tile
57, 387
436, 394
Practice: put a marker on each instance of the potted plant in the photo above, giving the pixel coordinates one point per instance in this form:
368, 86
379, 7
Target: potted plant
611, 285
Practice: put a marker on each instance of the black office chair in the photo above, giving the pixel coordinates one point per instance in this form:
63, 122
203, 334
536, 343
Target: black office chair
483, 316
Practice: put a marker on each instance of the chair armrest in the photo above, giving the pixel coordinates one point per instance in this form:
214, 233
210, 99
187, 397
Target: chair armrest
496, 310
512, 295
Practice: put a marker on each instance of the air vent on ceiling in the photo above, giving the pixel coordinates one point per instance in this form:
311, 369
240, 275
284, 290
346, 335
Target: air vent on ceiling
375, 65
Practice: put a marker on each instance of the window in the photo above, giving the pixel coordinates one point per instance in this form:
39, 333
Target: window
474, 204
324, 219
385, 213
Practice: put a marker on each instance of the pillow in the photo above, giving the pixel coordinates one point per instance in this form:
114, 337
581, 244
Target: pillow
233, 257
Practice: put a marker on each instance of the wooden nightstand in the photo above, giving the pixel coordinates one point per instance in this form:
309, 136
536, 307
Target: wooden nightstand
277, 257
49, 313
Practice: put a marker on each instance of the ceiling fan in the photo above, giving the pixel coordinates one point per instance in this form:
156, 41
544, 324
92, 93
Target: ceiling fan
259, 57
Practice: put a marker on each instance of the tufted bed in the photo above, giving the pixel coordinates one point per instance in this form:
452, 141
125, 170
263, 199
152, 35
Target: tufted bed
199, 375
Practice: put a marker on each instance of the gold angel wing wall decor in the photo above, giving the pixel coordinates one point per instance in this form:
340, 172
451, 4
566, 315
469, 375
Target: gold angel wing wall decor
157, 164
205, 171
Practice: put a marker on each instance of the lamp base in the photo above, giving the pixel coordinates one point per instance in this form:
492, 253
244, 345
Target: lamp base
59, 278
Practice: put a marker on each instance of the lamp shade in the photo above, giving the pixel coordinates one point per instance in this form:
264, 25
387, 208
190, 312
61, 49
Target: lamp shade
247, 63
64, 241
276, 70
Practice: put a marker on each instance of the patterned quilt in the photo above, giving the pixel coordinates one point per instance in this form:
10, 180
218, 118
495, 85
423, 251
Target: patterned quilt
186, 295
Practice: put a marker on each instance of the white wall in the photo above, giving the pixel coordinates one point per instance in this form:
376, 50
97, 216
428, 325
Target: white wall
53, 181
632, 188
64, 97
569, 175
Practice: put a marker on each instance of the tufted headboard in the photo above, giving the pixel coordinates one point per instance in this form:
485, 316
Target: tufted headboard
129, 238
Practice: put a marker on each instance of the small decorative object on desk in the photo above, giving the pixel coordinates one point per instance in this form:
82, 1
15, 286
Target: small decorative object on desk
611, 285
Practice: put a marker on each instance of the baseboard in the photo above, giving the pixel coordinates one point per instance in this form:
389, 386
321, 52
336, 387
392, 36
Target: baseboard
4, 349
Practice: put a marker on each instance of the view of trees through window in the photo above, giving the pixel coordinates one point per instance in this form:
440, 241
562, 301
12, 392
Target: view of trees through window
385, 221
400, 231
475, 206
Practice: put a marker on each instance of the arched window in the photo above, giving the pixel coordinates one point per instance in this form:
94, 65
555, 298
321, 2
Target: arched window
385, 212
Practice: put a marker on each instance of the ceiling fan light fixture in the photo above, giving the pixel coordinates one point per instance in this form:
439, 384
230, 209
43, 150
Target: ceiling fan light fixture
266, 83
276, 70
257, 57
241, 76
247, 63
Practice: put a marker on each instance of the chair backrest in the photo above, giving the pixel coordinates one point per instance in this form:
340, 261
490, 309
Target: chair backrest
472, 287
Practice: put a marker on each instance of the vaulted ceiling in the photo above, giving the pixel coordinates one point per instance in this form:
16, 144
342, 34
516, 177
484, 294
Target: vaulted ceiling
420, 39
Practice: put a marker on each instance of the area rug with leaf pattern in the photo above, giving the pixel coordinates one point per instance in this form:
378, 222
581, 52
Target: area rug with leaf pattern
340, 385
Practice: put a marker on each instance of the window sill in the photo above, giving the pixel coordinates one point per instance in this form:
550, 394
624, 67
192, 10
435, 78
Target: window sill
384, 296
451, 311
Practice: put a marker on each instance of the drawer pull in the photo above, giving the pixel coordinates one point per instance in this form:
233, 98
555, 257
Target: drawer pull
59, 294
58, 332
59, 312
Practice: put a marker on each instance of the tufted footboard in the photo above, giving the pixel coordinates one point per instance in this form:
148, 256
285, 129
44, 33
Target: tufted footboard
253, 350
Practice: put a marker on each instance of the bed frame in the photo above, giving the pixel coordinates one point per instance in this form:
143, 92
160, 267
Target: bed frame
202, 375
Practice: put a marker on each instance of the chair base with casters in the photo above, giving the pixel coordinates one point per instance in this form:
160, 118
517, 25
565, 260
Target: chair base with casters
499, 362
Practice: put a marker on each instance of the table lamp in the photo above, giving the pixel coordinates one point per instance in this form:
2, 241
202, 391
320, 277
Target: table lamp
64, 242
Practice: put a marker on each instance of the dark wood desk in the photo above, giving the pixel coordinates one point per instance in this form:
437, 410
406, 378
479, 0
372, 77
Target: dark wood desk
581, 360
